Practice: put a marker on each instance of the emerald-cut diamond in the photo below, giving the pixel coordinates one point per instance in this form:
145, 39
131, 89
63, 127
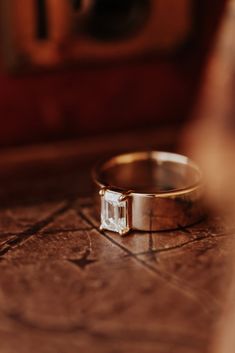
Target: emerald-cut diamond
114, 212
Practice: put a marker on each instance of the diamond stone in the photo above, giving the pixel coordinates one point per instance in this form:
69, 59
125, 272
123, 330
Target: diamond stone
114, 213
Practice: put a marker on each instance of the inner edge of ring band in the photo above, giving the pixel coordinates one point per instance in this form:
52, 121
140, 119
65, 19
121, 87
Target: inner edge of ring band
151, 155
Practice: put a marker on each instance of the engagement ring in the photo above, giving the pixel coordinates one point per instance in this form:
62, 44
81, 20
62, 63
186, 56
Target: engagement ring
148, 191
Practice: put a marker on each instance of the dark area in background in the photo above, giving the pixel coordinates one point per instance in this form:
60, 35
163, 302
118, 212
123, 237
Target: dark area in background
42, 23
96, 100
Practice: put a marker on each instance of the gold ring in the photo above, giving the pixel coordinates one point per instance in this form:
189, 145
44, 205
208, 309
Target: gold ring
148, 191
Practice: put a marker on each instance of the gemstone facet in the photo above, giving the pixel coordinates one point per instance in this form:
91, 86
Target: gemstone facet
114, 213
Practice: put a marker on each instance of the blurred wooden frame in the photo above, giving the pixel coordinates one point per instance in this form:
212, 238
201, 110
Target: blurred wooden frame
168, 27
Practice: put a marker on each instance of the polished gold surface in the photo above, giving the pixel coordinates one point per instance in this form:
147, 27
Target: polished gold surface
163, 190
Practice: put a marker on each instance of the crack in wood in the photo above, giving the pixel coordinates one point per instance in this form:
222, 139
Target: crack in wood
182, 245
12, 243
67, 230
84, 261
151, 253
184, 229
175, 247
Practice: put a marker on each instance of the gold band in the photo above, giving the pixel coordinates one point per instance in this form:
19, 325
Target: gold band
148, 191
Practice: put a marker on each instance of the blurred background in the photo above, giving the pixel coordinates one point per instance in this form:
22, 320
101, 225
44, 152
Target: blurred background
75, 68
82, 77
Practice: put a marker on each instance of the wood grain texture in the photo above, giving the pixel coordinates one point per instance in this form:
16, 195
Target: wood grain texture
66, 287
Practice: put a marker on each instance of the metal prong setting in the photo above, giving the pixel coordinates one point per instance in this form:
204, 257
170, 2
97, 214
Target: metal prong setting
125, 196
102, 191
122, 234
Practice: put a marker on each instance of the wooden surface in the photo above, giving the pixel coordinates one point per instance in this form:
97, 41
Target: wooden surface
65, 287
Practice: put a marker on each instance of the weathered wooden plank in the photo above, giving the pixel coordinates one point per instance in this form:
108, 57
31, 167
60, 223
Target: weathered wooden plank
66, 287
81, 285
17, 219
